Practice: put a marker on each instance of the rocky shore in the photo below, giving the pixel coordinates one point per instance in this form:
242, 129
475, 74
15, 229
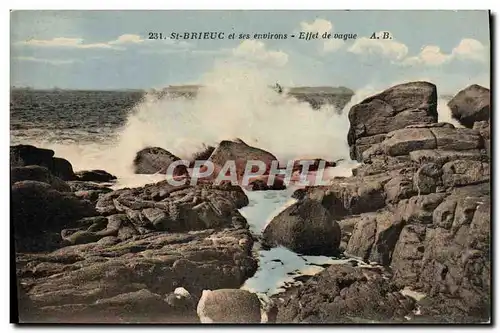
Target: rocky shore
416, 210
419, 206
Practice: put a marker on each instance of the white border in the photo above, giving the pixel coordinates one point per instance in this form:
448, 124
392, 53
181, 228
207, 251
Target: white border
257, 4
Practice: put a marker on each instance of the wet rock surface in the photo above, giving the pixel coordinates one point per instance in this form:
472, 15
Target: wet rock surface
120, 256
345, 294
151, 160
471, 105
419, 206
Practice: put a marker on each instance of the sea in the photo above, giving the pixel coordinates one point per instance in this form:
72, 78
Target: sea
105, 129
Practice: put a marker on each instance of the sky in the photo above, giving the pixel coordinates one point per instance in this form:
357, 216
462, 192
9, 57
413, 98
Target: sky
111, 49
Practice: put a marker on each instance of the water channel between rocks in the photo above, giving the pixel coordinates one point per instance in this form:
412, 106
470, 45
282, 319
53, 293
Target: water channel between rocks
278, 267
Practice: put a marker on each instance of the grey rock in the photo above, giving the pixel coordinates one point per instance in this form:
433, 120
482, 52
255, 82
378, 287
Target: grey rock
305, 227
229, 306
470, 105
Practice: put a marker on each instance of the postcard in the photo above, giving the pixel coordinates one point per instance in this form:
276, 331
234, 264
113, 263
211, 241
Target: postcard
250, 167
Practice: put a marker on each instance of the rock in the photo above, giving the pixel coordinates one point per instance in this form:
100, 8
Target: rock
181, 300
404, 141
87, 190
470, 105
398, 188
38, 209
374, 237
362, 236
260, 184
457, 138
483, 127
62, 169
306, 227
27, 312
419, 205
408, 140
465, 172
442, 310
94, 176
353, 195
345, 294
313, 164
127, 264
393, 109
39, 174
419, 209
229, 306
440, 157
22, 155
449, 258
408, 253
141, 306
428, 178
72, 281
153, 160
202, 155
25, 155
240, 152
364, 143
431, 125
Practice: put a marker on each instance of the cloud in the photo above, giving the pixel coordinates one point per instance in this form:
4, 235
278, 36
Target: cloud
467, 49
321, 26
430, 55
387, 48
254, 50
332, 45
471, 49
117, 44
48, 61
64, 42
127, 39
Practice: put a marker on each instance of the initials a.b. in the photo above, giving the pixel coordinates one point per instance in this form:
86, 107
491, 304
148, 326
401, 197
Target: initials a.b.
381, 35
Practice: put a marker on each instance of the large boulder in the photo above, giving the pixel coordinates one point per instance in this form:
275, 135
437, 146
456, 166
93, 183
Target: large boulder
470, 105
99, 176
25, 155
21, 155
305, 227
229, 306
202, 155
392, 109
151, 160
240, 152
62, 168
